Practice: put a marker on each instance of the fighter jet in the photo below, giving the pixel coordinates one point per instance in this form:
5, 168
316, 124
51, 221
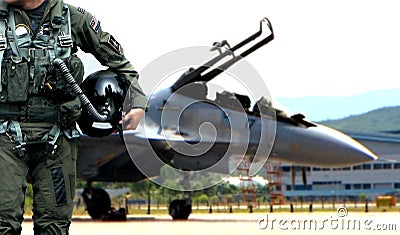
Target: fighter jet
191, 134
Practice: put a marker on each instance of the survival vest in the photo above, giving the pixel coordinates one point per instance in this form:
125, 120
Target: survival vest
30, 88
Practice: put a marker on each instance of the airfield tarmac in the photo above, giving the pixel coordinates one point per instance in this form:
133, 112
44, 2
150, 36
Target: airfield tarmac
235, 224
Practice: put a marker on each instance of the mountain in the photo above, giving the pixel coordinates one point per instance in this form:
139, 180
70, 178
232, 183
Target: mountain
383, 120
319, 108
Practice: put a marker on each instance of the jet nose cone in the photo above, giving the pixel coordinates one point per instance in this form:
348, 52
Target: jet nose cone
318, 146
340, 149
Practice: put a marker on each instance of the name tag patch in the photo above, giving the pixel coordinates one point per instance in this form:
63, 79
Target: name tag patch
114, 44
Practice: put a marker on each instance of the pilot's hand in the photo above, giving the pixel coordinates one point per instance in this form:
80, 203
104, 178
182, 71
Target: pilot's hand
131, 119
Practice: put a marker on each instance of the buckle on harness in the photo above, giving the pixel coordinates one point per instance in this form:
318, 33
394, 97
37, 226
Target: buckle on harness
45, 146
20, 150
35, 53
65, 40
3, 43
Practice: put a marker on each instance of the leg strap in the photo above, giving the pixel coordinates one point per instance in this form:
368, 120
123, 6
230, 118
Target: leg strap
15, 133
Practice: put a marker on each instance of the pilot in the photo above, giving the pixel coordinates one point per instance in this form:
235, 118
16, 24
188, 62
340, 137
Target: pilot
38, 138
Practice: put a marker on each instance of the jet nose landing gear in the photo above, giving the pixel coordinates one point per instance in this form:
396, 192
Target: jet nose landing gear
97, 201
98, 205
180, 209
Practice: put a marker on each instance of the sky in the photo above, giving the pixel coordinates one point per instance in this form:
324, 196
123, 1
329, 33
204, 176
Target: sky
321, 48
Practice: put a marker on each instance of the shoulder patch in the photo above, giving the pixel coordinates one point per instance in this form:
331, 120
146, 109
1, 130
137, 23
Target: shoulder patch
114, 44
81, 10
95, 24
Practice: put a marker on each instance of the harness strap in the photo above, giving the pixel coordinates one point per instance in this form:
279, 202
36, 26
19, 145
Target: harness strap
61, 24
3, 9
11, 34
3, 127
3, 46
52, 135
3, 40
13, 129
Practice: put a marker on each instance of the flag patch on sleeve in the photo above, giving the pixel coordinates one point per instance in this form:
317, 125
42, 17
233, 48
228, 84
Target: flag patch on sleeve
95, 24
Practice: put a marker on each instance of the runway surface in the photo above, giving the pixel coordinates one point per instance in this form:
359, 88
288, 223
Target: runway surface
243, 224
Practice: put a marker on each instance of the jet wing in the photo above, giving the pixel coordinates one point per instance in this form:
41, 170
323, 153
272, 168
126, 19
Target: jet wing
140, 156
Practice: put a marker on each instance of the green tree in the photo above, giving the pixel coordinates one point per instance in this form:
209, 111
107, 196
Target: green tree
203, 199
214, 200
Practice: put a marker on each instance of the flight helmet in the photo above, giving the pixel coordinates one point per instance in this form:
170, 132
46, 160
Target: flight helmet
106, 91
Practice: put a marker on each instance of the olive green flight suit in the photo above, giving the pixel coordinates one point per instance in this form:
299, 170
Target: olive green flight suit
51, 170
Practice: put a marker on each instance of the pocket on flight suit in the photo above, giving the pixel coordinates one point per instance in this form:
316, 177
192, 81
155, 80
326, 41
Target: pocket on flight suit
55, 166
73, 145
60, 193
62, 169
57, 181
17, 83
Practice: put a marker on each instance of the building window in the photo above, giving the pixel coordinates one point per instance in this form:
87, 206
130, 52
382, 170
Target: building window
316, 169
286, 168
367, 186
358, 167
348, 186
397, 185
387, 166
302, 187
377, 166
397, 166
357, 186
366, 166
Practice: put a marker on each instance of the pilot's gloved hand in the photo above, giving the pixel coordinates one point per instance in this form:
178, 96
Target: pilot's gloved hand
131, 119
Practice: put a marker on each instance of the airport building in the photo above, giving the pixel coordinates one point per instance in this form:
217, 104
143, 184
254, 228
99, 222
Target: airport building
370, 179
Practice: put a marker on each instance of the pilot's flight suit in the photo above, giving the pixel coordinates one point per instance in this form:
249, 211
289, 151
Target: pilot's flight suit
37, 106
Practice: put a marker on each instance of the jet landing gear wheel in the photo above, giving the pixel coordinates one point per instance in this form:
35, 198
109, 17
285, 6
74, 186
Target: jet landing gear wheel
98, 204
180, 209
